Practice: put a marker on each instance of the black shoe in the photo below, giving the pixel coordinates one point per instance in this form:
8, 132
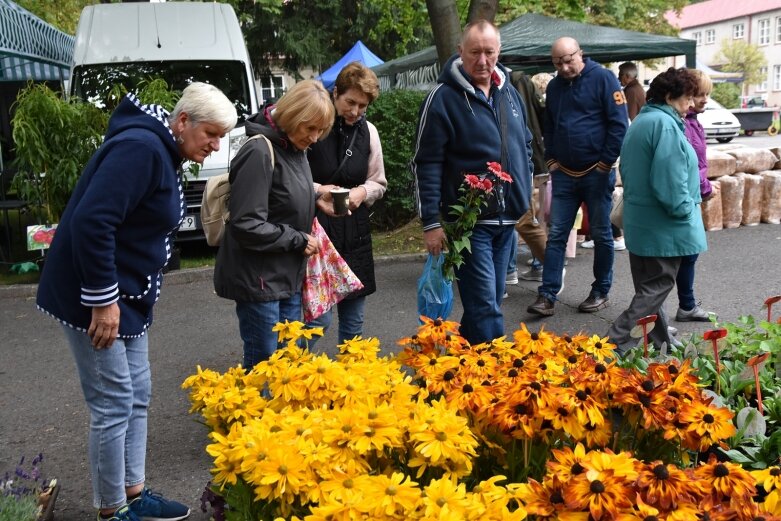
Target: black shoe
593, 303
542, 306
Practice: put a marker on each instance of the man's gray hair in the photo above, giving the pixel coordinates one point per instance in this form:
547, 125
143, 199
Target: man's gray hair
480, 25
628, 69
204, 103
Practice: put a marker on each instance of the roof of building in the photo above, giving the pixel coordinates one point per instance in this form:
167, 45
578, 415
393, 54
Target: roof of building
713, 11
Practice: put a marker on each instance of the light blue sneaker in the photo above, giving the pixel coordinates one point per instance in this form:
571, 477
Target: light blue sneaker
122, 514
154, 507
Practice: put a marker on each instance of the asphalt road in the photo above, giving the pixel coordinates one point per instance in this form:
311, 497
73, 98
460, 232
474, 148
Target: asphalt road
758, 140
42, 410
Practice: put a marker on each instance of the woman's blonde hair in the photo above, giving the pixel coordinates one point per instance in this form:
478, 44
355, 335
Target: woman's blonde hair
703, 80
204, 103
307, 102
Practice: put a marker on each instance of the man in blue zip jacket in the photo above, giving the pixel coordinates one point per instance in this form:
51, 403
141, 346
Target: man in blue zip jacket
585, 123
474, 115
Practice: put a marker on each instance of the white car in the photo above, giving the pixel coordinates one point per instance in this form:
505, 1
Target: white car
719, 123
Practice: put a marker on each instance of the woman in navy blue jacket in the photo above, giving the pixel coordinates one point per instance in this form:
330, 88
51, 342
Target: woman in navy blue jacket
103, 275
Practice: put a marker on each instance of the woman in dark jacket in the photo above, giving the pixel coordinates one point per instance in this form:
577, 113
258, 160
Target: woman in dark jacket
350, 157
103, 276
261, 260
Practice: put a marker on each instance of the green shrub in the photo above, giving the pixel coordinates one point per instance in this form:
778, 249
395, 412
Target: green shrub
727, 94
54, 139
395, 114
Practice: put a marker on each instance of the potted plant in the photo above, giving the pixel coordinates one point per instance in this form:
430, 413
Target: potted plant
25, 495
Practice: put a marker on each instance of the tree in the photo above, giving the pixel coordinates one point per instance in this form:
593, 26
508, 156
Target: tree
445, 19
62, 14
745, 57
622, 14
318, 32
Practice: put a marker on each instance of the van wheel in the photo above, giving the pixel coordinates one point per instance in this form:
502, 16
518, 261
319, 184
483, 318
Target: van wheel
723, 139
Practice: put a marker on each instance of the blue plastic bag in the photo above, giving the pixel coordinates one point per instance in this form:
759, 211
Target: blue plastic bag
435, 292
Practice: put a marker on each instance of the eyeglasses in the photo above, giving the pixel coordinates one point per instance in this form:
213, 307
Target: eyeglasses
565, 59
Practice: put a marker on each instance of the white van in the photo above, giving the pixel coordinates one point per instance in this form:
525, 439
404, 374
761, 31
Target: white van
180, 42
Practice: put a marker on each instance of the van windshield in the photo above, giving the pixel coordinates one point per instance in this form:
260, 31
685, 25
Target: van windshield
94, 83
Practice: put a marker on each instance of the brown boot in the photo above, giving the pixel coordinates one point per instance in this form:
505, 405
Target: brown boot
542, 306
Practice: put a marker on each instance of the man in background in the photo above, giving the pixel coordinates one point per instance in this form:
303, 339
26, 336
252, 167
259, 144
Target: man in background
585, 123
633, 91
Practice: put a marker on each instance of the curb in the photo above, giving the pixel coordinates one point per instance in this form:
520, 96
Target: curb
188, 276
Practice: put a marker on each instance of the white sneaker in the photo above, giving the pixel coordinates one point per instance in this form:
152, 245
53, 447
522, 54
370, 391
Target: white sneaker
563, 273
618, 244
505, 295
696, 314
511, 278
589, 245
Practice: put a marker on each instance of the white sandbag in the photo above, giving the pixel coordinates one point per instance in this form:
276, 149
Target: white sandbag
731, 200
771, 197
753, 160
752, 199
777, 152
720, 163
712, 217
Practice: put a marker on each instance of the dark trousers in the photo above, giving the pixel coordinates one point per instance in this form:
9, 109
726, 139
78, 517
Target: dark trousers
684, 281
654, 279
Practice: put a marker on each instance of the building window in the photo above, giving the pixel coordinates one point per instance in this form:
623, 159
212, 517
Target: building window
272, 87
697, 37
762, 86
737, 31
710, 36
776, 77
764, 31
778, 29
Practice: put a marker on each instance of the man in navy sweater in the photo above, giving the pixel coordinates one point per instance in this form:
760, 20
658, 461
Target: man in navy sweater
473, 116
585, 123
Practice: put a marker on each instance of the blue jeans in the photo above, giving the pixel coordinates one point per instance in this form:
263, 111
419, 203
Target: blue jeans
256, 319
481, 282
350, 320
117, 387
596, 190
685, 282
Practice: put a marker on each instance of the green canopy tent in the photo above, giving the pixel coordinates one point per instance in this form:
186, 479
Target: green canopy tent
526, 43
30, 50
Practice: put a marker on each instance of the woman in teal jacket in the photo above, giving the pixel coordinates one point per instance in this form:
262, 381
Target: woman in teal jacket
662, 219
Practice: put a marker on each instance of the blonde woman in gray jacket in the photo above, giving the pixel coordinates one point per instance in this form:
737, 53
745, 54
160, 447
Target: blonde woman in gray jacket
261, 260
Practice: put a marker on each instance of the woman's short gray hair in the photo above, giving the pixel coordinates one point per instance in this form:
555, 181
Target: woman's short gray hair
204, 103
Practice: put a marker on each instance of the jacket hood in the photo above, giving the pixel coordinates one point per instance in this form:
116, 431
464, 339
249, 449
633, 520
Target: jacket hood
262, 123
588, 66
455, 77
132, 114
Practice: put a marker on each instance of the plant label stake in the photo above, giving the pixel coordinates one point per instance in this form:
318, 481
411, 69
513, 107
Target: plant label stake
769, 303
647, 323
714, 335
754, 362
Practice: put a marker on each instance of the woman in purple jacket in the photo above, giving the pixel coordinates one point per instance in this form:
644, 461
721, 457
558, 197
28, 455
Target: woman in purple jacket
688, 308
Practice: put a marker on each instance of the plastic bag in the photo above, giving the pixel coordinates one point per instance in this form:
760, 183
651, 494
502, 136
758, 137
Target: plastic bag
435, 292
328, 277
